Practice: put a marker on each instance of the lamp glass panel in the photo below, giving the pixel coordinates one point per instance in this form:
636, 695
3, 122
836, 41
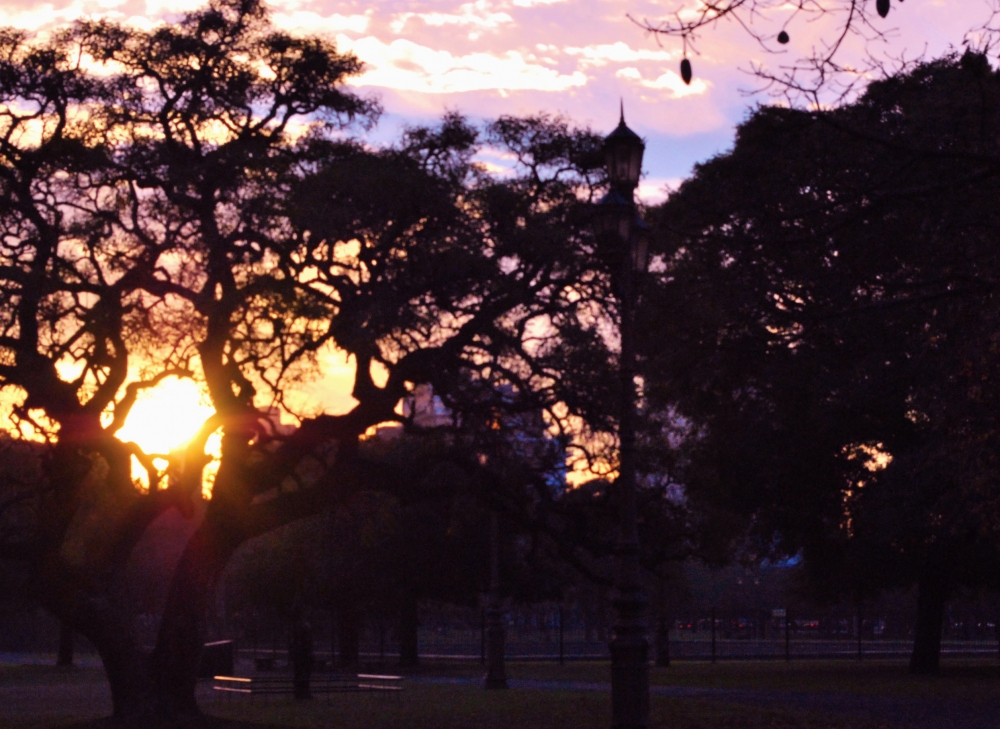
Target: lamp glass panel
624, 162
610, 162
635, 164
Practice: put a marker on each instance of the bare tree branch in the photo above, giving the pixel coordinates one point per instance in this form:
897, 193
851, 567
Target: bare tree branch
848, 41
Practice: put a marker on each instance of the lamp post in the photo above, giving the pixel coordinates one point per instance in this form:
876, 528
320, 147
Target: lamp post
619, 217
496, 675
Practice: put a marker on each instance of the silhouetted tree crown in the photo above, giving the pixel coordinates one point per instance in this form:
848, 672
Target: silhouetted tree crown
189, 201
825, 329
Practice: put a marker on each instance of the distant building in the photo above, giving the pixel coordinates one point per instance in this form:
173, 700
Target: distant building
427, 409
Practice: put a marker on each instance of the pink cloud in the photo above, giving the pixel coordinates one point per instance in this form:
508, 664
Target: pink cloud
575, 57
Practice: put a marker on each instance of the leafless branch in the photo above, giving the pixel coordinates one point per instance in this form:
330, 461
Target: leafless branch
831, 72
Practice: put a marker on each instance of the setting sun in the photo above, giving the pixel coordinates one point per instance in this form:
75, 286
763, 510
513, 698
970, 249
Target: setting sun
166, 417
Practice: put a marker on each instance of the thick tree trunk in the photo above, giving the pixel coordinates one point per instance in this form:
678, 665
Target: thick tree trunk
182, 629
348, 633
86, 548
66, 635
127, 670
409, 622
932, 596
107, 627
125, 665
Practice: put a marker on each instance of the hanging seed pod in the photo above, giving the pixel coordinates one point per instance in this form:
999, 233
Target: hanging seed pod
882, 6
686, 71
783, 37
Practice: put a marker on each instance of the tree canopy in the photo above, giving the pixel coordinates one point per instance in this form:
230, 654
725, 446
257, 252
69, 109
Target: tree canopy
825, 331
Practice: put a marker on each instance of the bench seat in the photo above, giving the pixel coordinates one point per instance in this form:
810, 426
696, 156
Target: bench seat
276, 685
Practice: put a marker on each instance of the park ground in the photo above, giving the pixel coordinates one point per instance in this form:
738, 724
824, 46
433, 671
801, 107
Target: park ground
876, 694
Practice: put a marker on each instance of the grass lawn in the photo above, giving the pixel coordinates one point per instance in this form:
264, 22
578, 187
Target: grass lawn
43, 697
967, 679
39, 697
423, 706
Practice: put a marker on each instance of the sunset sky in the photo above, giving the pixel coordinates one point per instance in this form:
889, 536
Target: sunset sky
574, 57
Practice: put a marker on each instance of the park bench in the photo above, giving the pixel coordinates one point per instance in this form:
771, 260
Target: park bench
322, 684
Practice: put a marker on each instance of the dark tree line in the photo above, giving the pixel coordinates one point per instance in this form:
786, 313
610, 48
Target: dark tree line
419, 531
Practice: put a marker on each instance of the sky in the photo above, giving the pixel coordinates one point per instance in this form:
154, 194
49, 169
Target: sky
576, 58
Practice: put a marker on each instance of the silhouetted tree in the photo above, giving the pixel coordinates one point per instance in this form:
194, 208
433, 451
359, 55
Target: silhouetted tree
183, 201
823, 332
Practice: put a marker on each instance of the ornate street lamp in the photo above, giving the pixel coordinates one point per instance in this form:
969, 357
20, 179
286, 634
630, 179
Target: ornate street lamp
623, 150
619, 216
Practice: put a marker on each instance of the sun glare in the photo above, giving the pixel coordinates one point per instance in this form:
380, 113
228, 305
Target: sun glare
166, 417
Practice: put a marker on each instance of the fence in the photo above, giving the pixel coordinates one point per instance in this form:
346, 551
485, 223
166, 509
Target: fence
550, 632
554, 633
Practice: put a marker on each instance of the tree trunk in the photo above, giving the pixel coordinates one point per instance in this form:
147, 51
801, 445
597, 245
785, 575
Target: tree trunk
66, 635
409, 622
932, 596
125, 666
182, 629
95, 615
127, 670
662, 625
662, 642
348, 633
76, 574
996, 629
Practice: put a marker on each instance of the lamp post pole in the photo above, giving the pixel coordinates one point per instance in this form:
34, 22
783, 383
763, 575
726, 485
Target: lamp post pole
496, 674
629, 646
